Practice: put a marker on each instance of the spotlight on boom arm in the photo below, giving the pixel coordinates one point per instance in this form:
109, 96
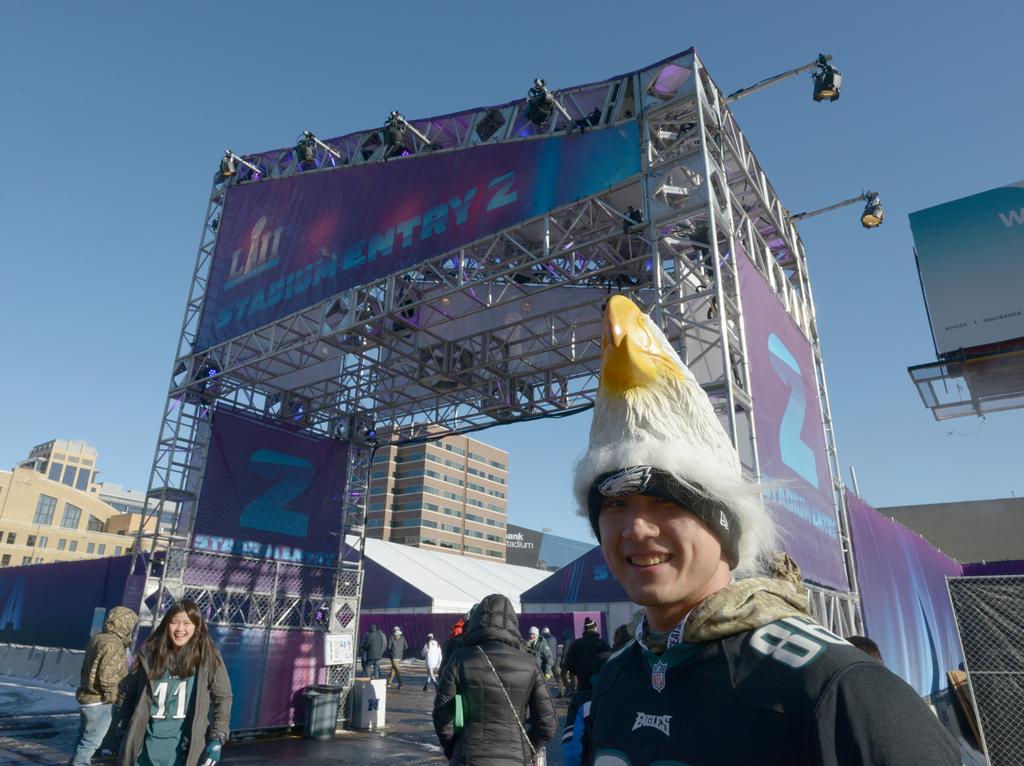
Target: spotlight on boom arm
827, 80
229, 165
871, 218
394, 134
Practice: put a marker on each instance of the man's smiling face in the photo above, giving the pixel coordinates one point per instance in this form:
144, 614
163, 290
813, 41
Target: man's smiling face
665, 556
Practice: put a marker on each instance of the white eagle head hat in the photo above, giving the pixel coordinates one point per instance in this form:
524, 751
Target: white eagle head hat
650, 411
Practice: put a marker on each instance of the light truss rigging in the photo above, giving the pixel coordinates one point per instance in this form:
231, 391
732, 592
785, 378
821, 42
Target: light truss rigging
506, 328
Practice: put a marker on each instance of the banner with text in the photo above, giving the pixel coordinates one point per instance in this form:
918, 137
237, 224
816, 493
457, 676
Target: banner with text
790, 433
284, 244
970, 254
271, 492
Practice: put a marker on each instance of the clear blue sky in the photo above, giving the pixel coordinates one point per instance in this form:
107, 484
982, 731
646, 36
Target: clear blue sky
114, 115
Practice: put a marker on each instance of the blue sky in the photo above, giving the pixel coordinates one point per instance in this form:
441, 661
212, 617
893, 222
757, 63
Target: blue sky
114, 116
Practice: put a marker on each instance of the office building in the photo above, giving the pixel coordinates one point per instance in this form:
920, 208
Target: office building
448, 494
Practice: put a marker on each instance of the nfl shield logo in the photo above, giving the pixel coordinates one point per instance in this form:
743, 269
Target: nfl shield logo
658, 675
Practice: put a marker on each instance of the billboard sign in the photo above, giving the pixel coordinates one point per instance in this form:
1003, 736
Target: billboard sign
522, 546
970, 255
790, 434
285, 244
271, 492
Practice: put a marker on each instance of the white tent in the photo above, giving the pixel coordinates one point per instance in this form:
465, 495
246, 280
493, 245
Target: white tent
452, 582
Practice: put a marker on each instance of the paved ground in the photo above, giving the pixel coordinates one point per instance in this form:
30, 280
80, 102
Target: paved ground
39, 724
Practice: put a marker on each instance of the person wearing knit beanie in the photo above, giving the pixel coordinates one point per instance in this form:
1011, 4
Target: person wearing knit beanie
725, 665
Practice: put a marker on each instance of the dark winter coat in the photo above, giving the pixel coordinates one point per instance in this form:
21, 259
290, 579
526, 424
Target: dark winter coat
397, 646
209, 713
541, 650
553, 646
579, 658
374, 644
491, 736
104, 664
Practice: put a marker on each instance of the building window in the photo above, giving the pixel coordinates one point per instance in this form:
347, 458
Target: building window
72, 516
95, 524
117, 550
370, 523
62, 544
496, 554
30, 541
26, 560
83, 479
55, 469
10, 538
6, 560
69, 475
44, 510
73, 545
101, 549
90, 548
472, 549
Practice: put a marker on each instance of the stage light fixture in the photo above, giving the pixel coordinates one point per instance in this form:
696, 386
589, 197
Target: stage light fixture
827, 80
873, 214
394, 136
305, 150
306, 146
229, 166
541, 102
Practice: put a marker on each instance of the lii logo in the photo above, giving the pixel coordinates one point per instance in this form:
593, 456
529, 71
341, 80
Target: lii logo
262, 254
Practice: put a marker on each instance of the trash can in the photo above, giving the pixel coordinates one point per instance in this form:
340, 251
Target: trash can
368, 704
322, 703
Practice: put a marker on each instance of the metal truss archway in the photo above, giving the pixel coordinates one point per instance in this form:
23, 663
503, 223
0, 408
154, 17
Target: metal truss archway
507, 328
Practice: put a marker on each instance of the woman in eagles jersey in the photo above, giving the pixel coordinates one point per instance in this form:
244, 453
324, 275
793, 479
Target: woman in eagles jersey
176, 703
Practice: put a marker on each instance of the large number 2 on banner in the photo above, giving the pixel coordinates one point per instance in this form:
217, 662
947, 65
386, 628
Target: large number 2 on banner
795, 452
269, 512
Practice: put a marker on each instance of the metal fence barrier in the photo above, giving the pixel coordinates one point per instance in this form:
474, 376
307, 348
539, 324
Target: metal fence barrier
989, 615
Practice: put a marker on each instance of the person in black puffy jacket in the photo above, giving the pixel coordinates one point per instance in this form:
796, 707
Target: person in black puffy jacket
490, 735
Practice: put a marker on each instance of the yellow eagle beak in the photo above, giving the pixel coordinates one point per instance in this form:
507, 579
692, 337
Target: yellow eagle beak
627, 349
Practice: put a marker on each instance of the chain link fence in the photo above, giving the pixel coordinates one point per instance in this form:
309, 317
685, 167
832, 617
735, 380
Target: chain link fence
989, 615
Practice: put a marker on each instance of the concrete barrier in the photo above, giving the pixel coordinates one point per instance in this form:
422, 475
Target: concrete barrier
61, 666
52, 665
23, 661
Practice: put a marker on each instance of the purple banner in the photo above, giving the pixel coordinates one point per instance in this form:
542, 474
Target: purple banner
904, 598
284, 244
790, 434
268, 671
54, 604
271, 492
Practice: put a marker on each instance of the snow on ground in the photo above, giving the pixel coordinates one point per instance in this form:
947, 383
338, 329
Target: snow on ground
38, 722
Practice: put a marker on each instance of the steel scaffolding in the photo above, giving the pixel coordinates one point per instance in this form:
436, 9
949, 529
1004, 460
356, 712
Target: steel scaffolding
506, 328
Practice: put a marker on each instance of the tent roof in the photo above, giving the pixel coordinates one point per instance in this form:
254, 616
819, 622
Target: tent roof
453, 582
586, 580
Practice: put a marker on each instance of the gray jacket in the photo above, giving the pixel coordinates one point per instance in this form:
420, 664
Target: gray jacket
210, 713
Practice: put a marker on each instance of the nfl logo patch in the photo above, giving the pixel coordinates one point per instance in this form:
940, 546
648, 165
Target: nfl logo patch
658, 675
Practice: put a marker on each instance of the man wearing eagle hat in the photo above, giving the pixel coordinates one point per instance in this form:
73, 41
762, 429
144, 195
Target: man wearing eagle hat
726, 666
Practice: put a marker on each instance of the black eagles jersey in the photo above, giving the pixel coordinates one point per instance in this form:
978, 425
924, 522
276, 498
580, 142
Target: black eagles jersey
789, 692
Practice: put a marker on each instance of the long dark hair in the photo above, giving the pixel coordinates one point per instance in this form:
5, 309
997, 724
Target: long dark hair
183, 662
